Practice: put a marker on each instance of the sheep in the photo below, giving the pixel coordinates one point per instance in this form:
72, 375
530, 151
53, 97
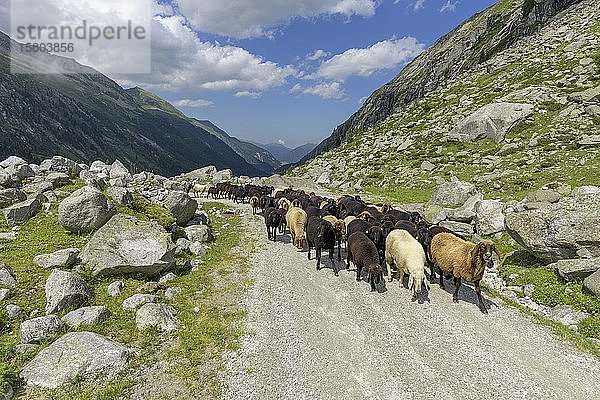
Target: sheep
297, 203
198, 190
407, 226
349, 219
406, 253
339, 226
462, 259
272, 221
365, 215
363, 253
284, 203
255, 204
296, 221
313, 211
424, 235
320, 235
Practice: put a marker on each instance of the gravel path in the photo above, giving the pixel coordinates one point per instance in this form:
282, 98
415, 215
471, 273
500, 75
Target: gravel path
314, 336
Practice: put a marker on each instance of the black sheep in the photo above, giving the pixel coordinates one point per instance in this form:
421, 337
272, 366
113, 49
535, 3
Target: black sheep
312, 211
320, 235
363, 253
407, 226
272, 221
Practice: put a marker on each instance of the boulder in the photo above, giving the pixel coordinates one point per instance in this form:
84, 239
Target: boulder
65, 290
137, 300
222, 176
37, 188
13, 311
182, 206
454, 193
6, 277
492, 121
459, 227
159, 316
76, 354
8, 180
12, 161
197, 249
4, 294
544, 196
489, 217
61, 164
120, 195
115, 288
85, 210
118, 170
576, 269
201, 174
126, 245
166, 278
586, 190
20, 213
564, 230
93, 180
65, 258
58, 179
591, 283
466, 212
323, 179
37, 329
86, 316
9, 197
199, 233
22, 171
171, 292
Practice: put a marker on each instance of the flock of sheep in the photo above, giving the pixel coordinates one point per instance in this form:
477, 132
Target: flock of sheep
373, 235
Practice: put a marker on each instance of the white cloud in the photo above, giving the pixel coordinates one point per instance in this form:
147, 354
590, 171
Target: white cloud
254, 18
383, 55
248, 93
199, 103
449, 6
317, 55
419, 5
182, 62
331, 90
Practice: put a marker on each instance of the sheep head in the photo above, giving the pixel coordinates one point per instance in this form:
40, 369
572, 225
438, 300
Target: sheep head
483, 253
415, 282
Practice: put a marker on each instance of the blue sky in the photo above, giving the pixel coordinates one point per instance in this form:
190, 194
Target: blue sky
276, 70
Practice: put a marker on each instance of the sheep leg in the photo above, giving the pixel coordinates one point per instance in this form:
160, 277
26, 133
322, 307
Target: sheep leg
309, 251
457, 283
348, 258
480, 298
318, 258
339, 250
389, 270
400, 277
358, 271
372, 282
441, 279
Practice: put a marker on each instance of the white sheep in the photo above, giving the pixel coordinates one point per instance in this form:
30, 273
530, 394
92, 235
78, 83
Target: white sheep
296, 221
198, 190
407, 254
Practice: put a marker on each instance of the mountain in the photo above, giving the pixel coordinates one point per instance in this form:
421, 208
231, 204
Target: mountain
509, 100
286, 155
79, 113
471, 44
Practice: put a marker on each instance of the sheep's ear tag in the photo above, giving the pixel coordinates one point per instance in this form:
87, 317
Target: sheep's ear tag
367, 231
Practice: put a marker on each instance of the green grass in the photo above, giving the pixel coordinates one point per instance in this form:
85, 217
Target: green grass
144, 210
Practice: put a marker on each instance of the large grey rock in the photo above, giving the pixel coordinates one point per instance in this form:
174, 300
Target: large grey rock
61, 164
12, 161
76, 354
22, 171
4, 294
137, 300
182, 206
159, 316
544, 195
58, 179
85, 210
93, 180
201, 174
126, 245
466, 212
222, 176
564, 230
576, 269
492, 121
6, 277
489, 217
115, 288
20, 213
86, 316
40, 328
118, 170
65, 290
592, 283
199, 233
9, 197
13, 311
120, 195
323, 179
8, 180
453, 193
62, 258
459, 227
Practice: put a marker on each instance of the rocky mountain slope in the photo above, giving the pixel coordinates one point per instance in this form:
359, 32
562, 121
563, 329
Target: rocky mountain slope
509, 100
81, 114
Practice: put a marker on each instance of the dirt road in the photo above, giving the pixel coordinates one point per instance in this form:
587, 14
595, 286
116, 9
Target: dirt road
314, 336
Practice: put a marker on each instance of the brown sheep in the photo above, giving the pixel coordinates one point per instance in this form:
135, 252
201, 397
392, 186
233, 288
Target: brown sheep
339, 226
296, 221
463, 260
